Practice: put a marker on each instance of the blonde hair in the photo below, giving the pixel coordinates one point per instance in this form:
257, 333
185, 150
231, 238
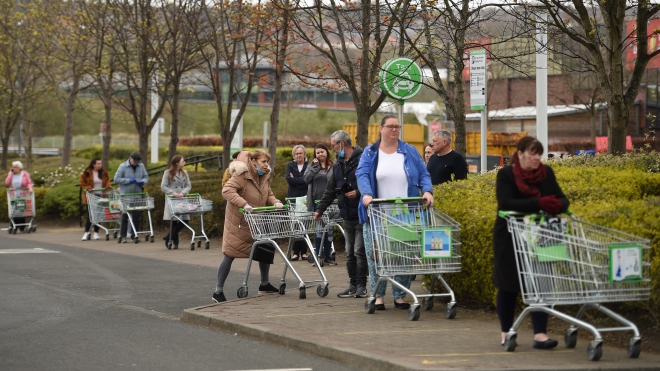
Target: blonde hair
18, 164
254, 155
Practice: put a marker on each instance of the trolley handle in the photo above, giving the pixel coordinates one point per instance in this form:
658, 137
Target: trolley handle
505, 213
186, 195
399, 199
99, 189
318, 201
19, 189
263, 208
135, 194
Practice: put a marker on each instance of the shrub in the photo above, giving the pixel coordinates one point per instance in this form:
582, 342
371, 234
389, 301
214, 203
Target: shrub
53, 178
62, 199
618, 192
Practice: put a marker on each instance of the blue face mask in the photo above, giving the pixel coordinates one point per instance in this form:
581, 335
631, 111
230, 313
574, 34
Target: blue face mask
341, 153
259, 171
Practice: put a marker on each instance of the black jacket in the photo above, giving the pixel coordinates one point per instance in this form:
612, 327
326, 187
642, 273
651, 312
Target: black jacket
509, 198
343, 171
297, 185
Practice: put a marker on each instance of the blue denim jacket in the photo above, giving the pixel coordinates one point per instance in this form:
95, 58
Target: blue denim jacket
419, 179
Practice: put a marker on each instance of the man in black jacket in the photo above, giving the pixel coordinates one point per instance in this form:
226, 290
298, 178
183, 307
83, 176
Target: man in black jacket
445, 162
297, 188
342, 185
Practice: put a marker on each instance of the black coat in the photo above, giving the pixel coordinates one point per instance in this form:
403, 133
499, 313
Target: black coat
297, 185
509, 198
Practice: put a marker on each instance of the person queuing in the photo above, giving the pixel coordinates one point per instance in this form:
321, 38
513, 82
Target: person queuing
389, 168
295, 171
445, 162
248, 187
316, 177
527, 186
342, 185
19, 178
226, 176
131, 177
175, 183
428, 152
93, 177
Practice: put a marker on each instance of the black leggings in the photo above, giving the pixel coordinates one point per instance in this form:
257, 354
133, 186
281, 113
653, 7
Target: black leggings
506, 307
177, 226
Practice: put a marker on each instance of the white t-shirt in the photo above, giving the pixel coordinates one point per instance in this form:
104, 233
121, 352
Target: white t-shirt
98, 182
391, 176
300, 167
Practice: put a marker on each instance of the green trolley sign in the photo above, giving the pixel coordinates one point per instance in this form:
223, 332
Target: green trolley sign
400, 78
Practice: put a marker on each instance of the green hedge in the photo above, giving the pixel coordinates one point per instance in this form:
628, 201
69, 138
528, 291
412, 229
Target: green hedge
622, 193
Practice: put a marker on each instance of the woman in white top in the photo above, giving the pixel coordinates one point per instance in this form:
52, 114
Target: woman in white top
390, 168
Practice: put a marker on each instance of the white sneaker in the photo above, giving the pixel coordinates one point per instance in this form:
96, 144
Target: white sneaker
96, 236
85, 236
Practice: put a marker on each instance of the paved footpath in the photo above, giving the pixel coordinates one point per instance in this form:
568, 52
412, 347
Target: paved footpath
340, 329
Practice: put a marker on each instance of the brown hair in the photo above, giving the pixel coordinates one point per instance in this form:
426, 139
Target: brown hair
528, 143
387, 117
174, 166
328, 161
254, 155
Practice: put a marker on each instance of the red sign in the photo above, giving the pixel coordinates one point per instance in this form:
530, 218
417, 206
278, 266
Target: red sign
434, 126
601, 144
483, 43
653, 43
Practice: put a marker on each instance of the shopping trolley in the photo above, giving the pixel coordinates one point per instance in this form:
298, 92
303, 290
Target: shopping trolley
268, 223
190, 204
565, 261
411, 239
103, 208
130, 202
20, 202
299, 206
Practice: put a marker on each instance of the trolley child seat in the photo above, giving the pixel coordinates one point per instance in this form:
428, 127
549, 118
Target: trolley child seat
20, 202
565, 261
268, 223
141, 201
411, 239
104, 210
190, 204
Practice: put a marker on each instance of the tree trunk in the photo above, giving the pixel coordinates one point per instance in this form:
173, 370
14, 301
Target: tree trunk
616, 127
174, 133
107, 138
277, 96
592, 117
5, 150
68, 130
144, 143
363, 117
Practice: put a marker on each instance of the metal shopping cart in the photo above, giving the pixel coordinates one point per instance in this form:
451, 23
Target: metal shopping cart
130, 202
190, 204
269, 223
20, 202
103, 208
565, 261
330, 220
411, 239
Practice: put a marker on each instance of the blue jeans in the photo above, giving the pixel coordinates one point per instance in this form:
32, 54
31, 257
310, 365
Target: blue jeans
397, 293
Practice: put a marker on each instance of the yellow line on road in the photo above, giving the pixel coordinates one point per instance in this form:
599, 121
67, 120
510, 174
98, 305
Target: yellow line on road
482, 354
406, 331
427, 362
313, 314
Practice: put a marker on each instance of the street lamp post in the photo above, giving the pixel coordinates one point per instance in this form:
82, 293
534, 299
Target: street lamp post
542, 75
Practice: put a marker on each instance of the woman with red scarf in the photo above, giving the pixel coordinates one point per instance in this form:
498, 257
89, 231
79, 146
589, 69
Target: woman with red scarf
527, 186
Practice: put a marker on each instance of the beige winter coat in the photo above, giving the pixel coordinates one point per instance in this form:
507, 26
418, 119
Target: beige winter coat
244, 187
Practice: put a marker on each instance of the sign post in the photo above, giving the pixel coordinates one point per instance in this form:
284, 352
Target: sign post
478, 97
237, 140
400, 79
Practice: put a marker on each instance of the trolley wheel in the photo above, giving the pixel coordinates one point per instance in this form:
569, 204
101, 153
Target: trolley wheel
413, 313
302, 294
595, 351
370, 306
9, 230
136, 239
570, 338
427, 303
322, 291
34, 229
13, 231
151, 239
192, 246
310, 259
333, 256
282, 288
207, 245
146, 238
450, 311
169, 245
199, 243
28, 230
242, 292
107, 237
634, 347
510, 343
114, 235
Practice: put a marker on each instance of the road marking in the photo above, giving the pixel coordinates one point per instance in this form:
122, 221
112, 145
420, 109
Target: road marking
405, 331
482, 354
278, 369
28, 251
427, 362
313, 314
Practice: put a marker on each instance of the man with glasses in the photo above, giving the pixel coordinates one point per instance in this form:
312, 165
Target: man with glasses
445, 162
342, 185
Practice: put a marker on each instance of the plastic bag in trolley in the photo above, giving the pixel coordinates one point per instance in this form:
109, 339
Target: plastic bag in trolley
544, 236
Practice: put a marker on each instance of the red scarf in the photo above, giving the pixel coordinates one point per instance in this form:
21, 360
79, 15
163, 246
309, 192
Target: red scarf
528, 181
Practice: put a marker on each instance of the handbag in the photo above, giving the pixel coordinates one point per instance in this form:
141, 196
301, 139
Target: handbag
264, 253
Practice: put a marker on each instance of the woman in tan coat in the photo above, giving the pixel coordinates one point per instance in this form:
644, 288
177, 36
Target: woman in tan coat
248, 187
94, 177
